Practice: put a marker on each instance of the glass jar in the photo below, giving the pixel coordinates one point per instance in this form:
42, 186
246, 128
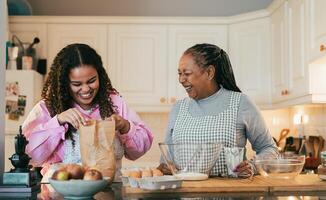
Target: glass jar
322, 167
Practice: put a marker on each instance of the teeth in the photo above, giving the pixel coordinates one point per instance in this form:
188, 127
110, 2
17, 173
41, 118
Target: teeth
85, 95
188, 88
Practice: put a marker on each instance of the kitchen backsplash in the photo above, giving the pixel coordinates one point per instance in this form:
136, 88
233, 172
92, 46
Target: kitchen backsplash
275, 120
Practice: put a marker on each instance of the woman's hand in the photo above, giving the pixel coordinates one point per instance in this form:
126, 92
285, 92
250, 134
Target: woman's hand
244, 170
73, 117
121, 124
164, 169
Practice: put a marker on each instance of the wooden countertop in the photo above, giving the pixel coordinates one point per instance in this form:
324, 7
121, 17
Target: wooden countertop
259, 184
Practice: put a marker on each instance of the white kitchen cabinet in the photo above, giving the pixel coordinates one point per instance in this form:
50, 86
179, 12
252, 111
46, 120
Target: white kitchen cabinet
27, 32
290, 78
181, 37
60, 35
297, 51
279, 46
249, 53
137, 56
317, 28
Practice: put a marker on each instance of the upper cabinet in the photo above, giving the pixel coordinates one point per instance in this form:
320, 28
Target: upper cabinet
317, 28
143, 60
138, 64
250, 57
279, 67
60, 35
296, 78
289, 54
181, 37
277, 54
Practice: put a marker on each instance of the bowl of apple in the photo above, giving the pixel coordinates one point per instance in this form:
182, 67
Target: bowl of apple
75, 181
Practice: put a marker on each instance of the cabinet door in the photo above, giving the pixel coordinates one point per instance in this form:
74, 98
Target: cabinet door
280, 80
297, 59
27, 32
138, 64
60, 35
250, 58
317, 22
181, 37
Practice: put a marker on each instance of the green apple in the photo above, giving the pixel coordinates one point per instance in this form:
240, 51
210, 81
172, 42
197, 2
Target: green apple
60, 175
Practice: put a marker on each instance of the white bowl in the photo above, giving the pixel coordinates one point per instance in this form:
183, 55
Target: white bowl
78, 189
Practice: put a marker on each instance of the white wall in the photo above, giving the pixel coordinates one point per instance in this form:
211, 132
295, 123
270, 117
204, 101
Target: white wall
3, 37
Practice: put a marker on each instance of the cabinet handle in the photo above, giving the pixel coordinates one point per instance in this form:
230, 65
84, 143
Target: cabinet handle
322, 48
162, 100
286, 92
173, 100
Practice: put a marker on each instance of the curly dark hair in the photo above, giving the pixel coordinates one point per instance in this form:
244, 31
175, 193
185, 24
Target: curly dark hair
205, 55
56, 90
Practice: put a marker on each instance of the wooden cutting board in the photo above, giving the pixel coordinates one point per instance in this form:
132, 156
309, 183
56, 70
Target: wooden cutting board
307, 182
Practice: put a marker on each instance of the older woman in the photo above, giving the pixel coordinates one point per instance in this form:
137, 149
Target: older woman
216, 110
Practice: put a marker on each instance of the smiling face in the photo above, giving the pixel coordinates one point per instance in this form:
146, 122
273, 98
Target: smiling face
84, 85
199, 82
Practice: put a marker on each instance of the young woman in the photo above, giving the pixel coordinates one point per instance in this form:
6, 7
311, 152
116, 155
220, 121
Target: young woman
78, 89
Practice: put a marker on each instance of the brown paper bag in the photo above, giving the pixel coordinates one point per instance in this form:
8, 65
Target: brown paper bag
96, 146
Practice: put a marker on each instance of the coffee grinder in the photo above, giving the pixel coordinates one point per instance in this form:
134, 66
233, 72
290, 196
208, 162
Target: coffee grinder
21, 174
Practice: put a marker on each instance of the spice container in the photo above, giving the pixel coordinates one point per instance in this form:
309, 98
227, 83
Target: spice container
322, 166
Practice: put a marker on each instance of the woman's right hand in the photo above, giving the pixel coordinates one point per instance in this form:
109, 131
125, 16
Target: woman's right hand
164, 169
73, 117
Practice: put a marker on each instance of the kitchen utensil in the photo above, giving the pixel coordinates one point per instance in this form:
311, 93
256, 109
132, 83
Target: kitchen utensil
27, 58
316, 146
190, 161
284, 132
35, 41
285, 166
321, 145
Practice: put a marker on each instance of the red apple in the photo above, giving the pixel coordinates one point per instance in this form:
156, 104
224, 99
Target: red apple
61, 175
76, 171
93, 174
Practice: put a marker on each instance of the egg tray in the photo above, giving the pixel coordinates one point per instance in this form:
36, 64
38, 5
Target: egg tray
153, 183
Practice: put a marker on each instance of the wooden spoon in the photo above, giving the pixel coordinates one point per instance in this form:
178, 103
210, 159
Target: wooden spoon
316, 146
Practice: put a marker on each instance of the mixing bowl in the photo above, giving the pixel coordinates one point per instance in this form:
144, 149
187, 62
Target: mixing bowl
282, 167
191, 161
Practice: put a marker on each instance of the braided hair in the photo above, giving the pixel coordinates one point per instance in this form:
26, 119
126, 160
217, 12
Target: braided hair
56, 90
205, 55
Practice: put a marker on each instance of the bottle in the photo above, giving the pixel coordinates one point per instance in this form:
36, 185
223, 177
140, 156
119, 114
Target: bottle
322, 167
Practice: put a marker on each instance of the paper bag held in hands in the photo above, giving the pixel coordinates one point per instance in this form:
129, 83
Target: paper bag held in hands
96, 146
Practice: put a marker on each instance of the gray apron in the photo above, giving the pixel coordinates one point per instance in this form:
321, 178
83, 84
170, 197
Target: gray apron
209, 129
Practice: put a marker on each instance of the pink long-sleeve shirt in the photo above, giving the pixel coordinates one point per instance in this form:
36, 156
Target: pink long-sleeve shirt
46, 135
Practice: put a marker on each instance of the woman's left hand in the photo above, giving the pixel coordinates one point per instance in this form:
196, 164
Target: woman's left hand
121, 124
244, 169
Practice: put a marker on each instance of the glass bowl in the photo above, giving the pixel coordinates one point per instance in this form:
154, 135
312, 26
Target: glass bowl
282, 167
191, 161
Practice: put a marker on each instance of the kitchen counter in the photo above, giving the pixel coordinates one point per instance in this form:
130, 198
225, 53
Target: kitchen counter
303, 187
